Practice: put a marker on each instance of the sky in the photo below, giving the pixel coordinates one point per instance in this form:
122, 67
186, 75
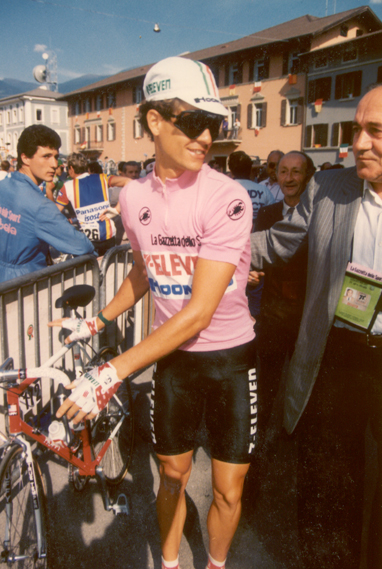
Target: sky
103, 37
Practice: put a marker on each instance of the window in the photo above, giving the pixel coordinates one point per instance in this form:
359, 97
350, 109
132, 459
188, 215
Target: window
38, 115
77, 135
233, 114
137, 128
319, 89
15, 141
15, 115
261, 69
111, 131
342, 133
320, 62
316, 135
137, 95
99, 133
8, 117
350, 54
87, 134
77, 108
55, 116
234, 74
291, 63
99, 102
348, 85
257, 115
21, 114
87, 105
291, 111
344, 31
111, 100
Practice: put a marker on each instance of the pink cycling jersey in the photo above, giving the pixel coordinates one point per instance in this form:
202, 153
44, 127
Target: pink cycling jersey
200, 214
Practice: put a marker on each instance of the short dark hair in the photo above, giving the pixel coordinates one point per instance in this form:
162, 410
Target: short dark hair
165, 108
5, 165
34, 136
95, 167
240, 164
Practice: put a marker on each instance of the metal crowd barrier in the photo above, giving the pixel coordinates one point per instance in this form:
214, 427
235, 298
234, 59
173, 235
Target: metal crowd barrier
27, 304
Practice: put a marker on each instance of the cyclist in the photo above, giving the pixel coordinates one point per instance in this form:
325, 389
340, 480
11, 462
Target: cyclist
189, 228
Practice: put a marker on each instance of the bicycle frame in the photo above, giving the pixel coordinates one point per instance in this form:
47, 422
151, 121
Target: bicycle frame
87, 466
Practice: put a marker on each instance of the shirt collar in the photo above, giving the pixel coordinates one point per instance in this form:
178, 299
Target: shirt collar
369, 193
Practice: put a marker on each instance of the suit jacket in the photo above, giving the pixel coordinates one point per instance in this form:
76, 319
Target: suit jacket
327, 215
284, 285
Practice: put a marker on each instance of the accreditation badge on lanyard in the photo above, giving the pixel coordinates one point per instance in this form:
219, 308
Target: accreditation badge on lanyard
360, 301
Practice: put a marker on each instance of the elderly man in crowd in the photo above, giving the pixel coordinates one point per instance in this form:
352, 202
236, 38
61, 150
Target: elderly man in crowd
334, 380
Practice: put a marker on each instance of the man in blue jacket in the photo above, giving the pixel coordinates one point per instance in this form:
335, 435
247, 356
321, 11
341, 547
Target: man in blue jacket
29, 222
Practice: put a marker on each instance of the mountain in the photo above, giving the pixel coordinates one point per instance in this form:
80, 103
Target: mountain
10, 86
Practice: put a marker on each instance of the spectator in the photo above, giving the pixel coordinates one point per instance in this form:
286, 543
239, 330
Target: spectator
5, 169
88, 194
131, 170
30, 222
235, 130
95, 167
333, 388
240, 165
283, 293
225, 127
214, 164
120, 168
271, 182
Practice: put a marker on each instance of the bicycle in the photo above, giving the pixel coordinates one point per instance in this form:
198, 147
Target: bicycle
100, 448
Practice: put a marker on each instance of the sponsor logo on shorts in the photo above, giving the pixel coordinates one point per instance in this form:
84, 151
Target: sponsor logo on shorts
252, 383
236, 210
145, 216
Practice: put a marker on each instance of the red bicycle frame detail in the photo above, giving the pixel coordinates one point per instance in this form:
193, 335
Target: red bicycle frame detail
17, 425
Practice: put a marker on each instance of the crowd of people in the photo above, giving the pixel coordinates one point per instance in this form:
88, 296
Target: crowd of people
247, 276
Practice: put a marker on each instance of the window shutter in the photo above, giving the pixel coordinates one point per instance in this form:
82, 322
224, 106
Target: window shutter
357, 83
266, 67
337, 94
226, 74
240, 73
285, 70
326, 88
264, 116
335, 134
251, 70
82, 134
101, 132
300, 110
238, 111
249, 115
283, 112
308, 136
311, 91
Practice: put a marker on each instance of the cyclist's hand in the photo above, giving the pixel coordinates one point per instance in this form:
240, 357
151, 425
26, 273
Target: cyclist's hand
90, 393
82, 328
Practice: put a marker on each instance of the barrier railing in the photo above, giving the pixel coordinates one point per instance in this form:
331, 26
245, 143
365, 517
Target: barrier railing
27, 304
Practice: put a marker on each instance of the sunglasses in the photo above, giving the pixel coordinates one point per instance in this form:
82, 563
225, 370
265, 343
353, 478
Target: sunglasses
193, 123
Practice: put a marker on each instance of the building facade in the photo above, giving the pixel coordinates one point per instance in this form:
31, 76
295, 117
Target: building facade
262, 78
39, 106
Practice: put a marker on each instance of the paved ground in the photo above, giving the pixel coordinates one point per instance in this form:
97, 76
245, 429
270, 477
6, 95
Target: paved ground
84, 536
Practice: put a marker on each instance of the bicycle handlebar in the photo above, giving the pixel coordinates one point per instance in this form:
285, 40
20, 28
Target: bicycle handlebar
51, 372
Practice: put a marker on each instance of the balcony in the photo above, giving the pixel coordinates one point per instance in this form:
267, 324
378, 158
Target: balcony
90, 146
230, 137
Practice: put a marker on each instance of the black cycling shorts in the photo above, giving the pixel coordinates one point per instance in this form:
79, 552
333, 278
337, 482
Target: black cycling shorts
224, 383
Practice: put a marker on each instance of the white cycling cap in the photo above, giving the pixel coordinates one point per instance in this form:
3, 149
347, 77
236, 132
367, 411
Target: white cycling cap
185, 79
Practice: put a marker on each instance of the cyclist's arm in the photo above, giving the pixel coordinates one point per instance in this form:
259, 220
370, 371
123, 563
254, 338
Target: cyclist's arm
210, 281
118, 181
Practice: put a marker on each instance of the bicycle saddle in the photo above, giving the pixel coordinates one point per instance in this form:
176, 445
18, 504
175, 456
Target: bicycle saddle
78, 295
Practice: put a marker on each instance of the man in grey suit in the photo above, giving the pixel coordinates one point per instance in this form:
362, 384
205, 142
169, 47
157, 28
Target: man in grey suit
334, 384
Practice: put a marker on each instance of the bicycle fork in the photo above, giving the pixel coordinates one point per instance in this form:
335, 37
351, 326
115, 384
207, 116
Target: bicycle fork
41, 546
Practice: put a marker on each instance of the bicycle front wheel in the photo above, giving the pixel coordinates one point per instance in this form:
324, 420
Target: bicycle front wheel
117, 458
18, 531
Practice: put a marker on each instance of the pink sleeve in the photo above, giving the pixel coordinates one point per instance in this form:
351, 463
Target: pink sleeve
125, 219
227, 224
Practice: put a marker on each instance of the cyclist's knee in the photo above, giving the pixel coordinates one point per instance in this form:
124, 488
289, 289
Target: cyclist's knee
175, 471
